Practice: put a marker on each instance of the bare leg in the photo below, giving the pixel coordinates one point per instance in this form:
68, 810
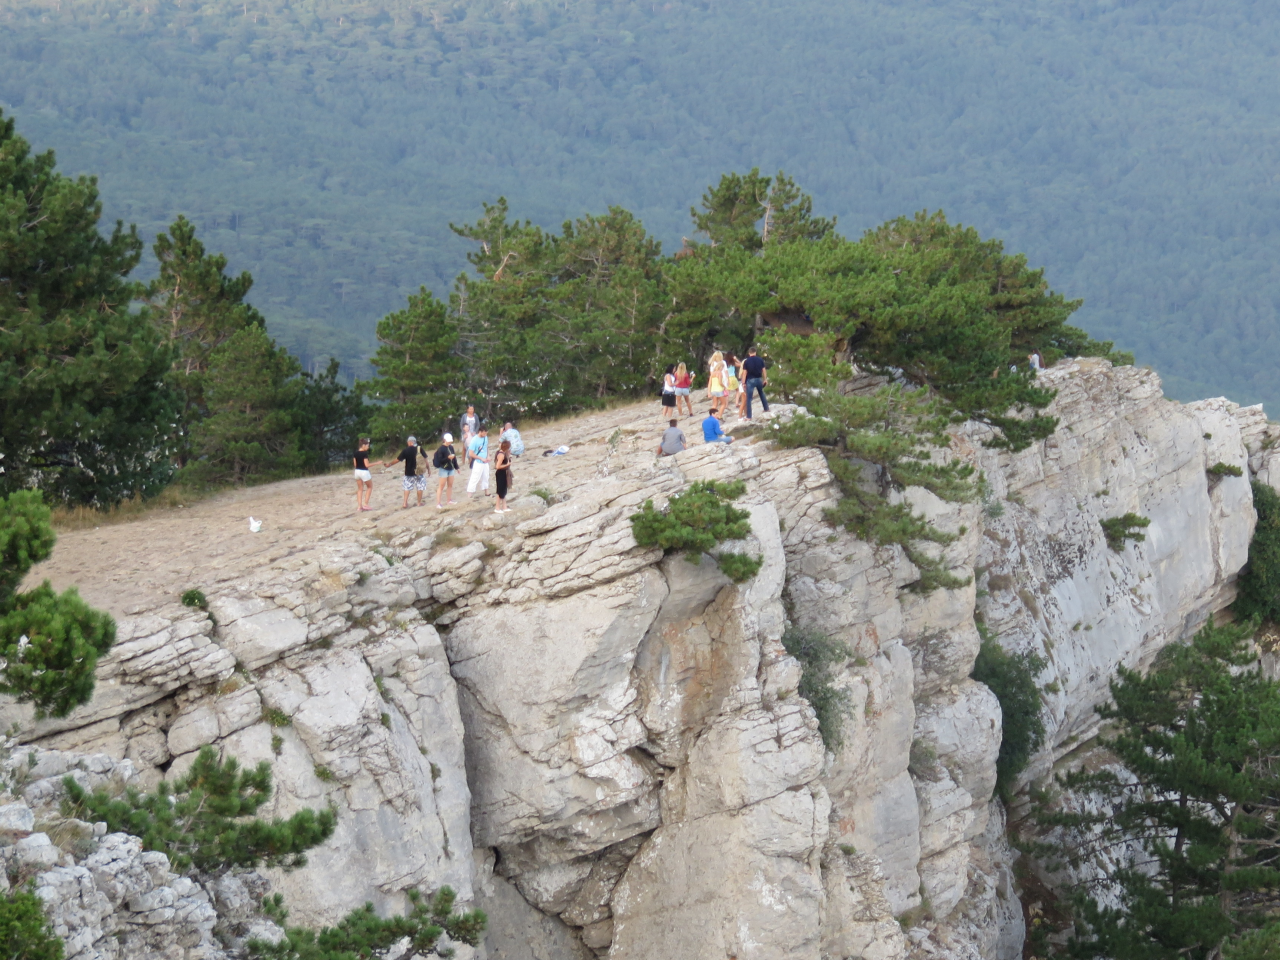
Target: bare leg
359, 495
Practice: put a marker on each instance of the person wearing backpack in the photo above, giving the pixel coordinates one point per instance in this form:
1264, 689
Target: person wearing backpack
478, 457
446, 463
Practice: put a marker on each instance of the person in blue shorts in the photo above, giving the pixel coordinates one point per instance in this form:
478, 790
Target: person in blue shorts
446, 464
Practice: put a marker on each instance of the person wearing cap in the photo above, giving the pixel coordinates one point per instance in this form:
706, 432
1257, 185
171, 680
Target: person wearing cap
446, 464
409, 456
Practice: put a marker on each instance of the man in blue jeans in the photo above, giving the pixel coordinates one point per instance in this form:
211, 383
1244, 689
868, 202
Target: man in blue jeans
756, 378
711, 430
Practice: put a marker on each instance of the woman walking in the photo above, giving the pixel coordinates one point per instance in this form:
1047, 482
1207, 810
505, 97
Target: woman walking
668, 391
502, 474
684, 383
715, 381
364, 479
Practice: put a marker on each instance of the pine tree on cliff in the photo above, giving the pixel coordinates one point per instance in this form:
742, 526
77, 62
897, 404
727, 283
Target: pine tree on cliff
252, 390
84, 412
49, 642
420, 373
1194, 816
197, 308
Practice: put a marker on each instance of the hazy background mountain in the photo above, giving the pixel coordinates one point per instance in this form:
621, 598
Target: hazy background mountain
1128, 146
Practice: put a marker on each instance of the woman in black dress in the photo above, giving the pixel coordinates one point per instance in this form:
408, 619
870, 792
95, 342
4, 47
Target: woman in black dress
502, 474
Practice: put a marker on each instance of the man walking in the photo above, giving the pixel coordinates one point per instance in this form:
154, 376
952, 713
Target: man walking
712, 432
478, 454
757, 379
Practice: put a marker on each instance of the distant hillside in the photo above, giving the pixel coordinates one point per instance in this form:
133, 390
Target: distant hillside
1127, 146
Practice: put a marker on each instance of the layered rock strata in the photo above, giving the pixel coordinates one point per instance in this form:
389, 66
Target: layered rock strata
618, 734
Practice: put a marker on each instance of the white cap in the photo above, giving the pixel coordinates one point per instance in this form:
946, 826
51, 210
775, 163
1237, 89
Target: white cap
448, 438
413, 439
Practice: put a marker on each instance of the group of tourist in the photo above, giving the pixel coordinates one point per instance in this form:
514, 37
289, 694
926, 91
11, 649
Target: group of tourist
479, 460
727, 376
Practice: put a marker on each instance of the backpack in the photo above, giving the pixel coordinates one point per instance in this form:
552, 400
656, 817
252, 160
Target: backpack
441, 458
420, 464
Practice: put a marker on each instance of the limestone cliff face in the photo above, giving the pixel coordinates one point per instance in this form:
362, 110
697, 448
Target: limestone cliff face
605, 748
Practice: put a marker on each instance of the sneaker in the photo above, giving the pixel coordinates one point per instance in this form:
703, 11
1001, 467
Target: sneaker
439, 506
452, 502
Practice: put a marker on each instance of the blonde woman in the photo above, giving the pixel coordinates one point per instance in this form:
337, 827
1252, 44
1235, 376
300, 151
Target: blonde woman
684, 383
716, 380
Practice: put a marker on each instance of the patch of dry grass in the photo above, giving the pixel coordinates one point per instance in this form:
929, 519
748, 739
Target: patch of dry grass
171, 498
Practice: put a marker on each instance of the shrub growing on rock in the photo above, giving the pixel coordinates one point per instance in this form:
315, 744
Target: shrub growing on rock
24, 929
1260, 581
49, 642
1012, 678
819, 655
202, 819
1119, 529
362, 931
696, 521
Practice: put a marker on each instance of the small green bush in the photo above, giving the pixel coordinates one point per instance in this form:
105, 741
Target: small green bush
362, 931
696, 521
276, 718
24, 929
543, 493
739, 567
818, 654
1259, 583
195, 598
1119, 529
205, 818
1221, 470
1012, 678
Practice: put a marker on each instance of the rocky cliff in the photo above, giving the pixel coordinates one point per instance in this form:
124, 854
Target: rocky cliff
605, 748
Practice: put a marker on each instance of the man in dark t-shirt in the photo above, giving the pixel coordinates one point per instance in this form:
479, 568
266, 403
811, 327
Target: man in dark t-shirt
756, 379
409, 457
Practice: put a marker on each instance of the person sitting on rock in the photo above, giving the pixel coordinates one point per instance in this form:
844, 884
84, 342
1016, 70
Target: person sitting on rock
712, 431
672, 440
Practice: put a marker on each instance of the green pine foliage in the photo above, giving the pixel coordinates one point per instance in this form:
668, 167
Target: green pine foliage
1199, 740
1259, 582
820, 657
25, 932
698, 520
1012, 678
1119, 529
362, 931
250, 432
554, 322
420, 375
203, 818
49, 642
196, 308
84, 413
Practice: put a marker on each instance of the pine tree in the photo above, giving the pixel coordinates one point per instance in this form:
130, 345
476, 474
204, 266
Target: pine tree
420, 371
330, 419
1198, 803
1260, 581
49, 642
25, 932
206, 818
84, 412
252, 390
197, 308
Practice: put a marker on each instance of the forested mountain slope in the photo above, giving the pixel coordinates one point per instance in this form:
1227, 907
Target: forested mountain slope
1127, 146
